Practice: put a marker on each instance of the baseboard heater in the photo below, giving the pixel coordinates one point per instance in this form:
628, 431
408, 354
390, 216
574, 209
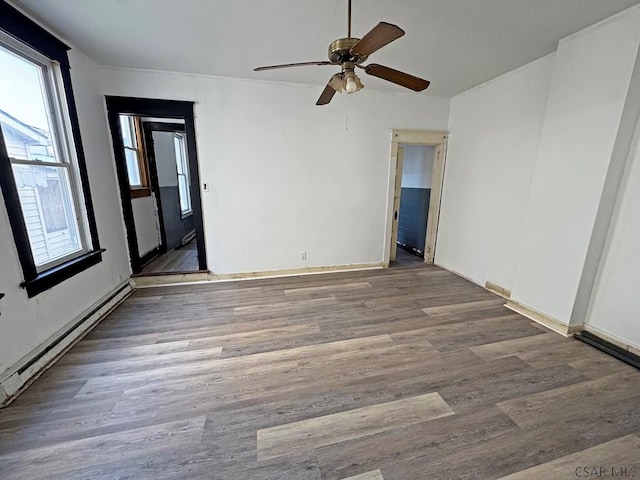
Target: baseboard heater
187, 238
608, 347
29, 368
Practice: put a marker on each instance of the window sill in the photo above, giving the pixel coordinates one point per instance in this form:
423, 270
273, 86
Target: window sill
54, 276
140, 192
186, 215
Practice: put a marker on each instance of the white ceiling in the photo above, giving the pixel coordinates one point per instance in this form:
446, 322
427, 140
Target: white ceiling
456, 44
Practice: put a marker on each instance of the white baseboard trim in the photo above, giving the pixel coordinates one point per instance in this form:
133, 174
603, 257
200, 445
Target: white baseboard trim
543, 319
498, 290
24, 372
208, 277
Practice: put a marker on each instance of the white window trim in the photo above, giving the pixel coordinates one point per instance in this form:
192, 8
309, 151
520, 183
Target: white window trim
185, 167
136, 148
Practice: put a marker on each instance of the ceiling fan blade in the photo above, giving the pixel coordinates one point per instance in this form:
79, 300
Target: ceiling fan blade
400, 78
287, 65
328, 92
379, 36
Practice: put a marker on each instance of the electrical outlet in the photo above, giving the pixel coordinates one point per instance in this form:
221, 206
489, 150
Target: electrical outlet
303, 256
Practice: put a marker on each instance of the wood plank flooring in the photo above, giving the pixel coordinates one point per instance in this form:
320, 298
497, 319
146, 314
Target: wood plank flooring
184, 259
398, 374
339, 427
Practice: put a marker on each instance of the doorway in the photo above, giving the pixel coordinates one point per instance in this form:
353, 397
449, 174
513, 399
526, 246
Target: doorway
416, 182
416, 173
166, 152
157, 167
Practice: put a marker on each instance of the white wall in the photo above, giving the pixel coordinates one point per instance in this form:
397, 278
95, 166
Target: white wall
145, 217
25, 324
614, 309
588, 90
493, 139
165, 159
286, 175
417, 167
533, 168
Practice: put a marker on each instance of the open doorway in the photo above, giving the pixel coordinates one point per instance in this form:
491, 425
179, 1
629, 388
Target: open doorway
166, 153
416, 182
416, 170
155, 152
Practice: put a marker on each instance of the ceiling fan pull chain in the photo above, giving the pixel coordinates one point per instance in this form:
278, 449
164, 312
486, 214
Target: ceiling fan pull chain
346, 116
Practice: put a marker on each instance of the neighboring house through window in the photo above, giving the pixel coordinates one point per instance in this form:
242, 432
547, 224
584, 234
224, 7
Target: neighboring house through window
42, 170
44, 191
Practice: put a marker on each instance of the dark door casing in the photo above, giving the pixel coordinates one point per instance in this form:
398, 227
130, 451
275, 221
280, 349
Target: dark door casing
150, 107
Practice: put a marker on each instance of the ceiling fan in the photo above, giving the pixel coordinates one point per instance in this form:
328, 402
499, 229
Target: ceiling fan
350, 53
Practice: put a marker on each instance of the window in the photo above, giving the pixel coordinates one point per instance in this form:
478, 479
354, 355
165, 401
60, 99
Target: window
184, 187
134, 155
42, 171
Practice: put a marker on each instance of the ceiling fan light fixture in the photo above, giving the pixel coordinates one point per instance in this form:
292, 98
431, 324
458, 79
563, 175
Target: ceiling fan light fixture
337, 82
352, 82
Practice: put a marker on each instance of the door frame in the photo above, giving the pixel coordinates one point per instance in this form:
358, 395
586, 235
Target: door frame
437, 139
147, 131
150, 107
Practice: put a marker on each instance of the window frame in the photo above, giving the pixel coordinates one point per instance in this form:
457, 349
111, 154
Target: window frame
25, 36
182, 163
60, 142
135, 130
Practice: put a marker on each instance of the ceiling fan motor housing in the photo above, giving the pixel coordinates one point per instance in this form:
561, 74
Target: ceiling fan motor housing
340, 51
